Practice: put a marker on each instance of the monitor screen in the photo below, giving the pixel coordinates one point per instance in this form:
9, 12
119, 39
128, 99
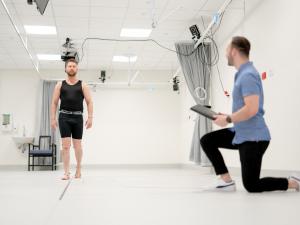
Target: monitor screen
41, 5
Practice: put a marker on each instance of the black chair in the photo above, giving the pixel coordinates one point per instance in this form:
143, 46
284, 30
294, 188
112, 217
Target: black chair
45, 149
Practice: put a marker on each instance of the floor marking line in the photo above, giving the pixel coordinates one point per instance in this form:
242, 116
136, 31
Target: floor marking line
65, 190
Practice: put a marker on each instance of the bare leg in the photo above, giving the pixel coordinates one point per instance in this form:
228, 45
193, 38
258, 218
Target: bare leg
78, 154
66, 143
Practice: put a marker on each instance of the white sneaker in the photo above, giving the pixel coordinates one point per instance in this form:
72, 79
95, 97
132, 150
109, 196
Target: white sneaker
222, 186
297, 179
225, 186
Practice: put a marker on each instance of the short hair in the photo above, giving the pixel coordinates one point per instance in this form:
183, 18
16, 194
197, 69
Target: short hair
70, 60
242, 44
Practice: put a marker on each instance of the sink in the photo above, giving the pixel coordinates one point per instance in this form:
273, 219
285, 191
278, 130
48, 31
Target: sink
23, 140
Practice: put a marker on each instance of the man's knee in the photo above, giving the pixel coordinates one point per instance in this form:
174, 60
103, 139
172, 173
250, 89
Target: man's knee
77, 145
206, 140
251, 187
66, 147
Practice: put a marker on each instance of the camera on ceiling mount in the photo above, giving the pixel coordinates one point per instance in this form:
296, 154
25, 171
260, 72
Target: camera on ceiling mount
195, 32
41, 5
70, 52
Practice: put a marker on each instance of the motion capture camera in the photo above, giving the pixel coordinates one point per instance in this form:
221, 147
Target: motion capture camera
41, 5
176, 83
102, 76
70, 52
69, 55
195, 33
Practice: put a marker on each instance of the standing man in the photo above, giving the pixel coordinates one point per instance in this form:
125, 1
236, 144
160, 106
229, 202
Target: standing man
71, 93
250, 134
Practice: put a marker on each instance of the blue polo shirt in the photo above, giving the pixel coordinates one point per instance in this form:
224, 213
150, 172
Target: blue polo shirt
247, 82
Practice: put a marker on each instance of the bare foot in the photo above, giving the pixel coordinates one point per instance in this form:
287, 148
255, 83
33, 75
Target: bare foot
66, 176
78, 175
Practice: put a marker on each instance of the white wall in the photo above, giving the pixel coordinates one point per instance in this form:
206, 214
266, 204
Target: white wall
272, 28
18, 95
134, 126
131, 126
187, 122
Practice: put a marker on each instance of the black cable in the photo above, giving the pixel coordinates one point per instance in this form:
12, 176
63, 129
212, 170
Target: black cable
216, 59
133, 40
219, 75
220, 79
216, 51
205, 61
157, 43
211, 62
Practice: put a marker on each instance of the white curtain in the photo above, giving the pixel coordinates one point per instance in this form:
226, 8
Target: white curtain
196, 70
43, 121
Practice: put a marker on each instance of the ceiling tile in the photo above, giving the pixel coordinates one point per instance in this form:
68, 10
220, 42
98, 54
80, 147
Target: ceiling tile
108, 12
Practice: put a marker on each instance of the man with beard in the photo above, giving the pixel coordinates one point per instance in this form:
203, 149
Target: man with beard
71, 93
250, 134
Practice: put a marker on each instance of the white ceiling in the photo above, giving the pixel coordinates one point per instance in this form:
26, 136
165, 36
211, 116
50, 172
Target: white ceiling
79, 19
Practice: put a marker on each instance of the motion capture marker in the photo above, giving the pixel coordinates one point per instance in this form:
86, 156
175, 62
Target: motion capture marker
264, 75
65, 189
201, 93
216, 18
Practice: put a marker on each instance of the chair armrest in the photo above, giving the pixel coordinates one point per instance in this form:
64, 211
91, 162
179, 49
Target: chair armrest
33, 146
53, 146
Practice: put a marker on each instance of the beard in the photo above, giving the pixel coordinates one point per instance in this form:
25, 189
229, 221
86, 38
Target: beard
71, 73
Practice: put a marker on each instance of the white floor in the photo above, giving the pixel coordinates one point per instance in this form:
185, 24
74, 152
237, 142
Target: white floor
137, 197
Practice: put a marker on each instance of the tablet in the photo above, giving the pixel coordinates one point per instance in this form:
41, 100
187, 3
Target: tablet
204, 111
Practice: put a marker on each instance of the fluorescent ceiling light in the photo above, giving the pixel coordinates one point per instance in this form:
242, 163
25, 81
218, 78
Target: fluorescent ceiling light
48, 57
121, 58
139, 33
43, 30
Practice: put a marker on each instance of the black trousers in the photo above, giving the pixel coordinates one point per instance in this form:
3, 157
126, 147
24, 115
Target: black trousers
251, 154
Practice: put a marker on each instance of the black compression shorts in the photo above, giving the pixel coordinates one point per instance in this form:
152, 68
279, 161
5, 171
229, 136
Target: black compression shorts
70, 125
